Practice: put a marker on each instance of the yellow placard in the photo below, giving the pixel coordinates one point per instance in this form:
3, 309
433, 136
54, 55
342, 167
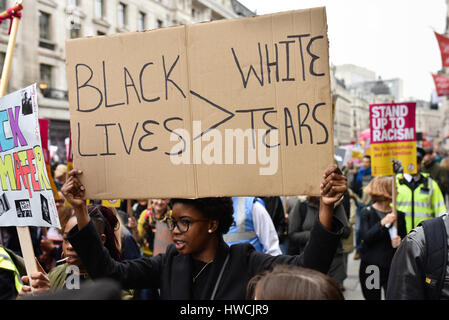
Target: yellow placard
382, 153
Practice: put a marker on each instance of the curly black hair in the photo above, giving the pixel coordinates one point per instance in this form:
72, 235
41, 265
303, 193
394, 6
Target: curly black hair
106, 222
220, 209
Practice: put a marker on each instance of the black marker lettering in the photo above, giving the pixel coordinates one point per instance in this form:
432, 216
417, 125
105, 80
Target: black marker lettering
251, 68
126, 72
275, 63
149, 133
84, 85
79, 145
301, 123
106, 125
287, 57
301, 52
231, 115
172, 131
252, 121
320, 123
287, 113
128, 151
141, 83
167, 77
106, 93
314, 57
268, 131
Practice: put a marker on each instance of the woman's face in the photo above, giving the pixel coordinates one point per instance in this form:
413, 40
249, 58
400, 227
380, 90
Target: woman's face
197, 237
67, 249
160, 205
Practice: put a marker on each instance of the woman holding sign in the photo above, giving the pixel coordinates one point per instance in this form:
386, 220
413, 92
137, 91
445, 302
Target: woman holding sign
199, 265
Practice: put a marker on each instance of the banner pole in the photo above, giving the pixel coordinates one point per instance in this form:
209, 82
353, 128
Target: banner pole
8, 57
394, 195
26, 244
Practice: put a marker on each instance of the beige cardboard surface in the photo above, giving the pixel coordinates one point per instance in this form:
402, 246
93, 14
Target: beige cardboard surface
128, 92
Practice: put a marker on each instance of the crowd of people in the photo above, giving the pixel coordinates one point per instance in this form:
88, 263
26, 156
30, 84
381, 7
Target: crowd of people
247, 247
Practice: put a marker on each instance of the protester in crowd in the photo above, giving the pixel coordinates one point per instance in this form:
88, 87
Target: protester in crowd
139, 206
104, 223
60, 175
301, 222
199, 264
289, 282
128, 246
419, 196
361, 180
253, 224
445, 165
380, 237
419, 270
275, 209
436, 172
10, 239
51, 245
158, 210
12, 268
350, 172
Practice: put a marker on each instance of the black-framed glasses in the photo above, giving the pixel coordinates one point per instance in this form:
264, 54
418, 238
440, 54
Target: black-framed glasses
183, 224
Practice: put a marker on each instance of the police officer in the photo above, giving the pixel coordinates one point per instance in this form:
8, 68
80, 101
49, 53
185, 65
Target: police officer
419, 196
10, 281
253, 224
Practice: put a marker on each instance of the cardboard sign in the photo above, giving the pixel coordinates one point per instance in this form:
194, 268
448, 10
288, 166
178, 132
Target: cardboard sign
162, 238
26, 197
393, 136
225, 108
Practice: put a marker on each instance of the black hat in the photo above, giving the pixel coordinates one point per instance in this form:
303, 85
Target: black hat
420, 152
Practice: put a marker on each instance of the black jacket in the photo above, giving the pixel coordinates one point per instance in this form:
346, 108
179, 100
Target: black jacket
406, 279
376, 245
172, 272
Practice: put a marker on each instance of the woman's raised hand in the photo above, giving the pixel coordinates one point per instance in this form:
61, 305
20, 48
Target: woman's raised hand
73, 190
333, 186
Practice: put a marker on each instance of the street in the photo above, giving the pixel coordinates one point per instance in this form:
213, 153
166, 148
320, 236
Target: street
352, 283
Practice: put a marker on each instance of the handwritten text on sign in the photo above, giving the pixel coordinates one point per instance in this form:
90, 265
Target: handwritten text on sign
26, 197
393, 136
187, 116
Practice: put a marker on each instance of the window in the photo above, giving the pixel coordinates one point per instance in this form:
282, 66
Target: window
73, 3
99, 8
44, 25
159, 23
45, 78
3, 5
141, 25
121, 14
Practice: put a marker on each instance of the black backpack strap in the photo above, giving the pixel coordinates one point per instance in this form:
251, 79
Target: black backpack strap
436, 258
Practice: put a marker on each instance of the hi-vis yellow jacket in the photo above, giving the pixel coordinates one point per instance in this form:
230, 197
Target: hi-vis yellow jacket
7, 264
425, 202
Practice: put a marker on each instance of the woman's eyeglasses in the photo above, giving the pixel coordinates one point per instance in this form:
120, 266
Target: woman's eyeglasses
183, 224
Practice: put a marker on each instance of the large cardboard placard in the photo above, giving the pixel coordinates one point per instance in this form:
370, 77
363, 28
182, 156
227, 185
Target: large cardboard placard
226, 108
393, 136
26, 196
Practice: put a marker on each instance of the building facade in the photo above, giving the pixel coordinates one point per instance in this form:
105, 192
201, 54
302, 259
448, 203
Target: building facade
39, 55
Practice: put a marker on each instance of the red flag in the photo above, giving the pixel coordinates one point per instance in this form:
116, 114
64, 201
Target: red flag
44, 125
443, 42
441, 84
